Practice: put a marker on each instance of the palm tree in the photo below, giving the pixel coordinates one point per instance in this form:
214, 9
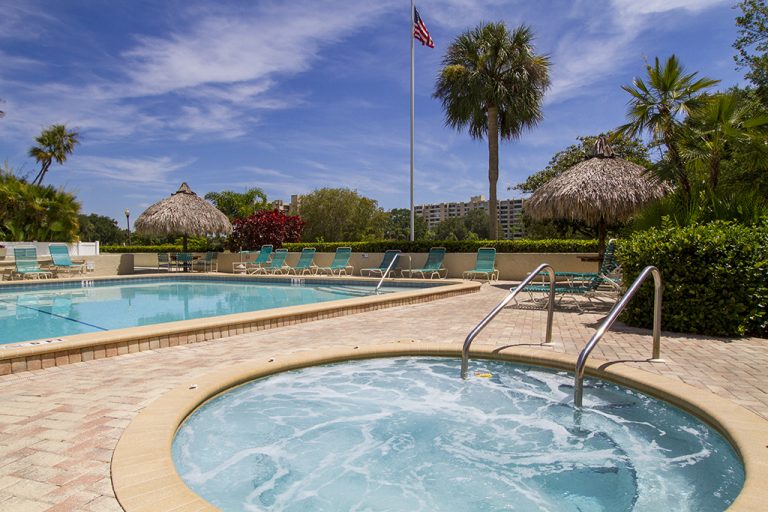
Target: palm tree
238, 205
725, 121
493, 83
660, 106
54, 143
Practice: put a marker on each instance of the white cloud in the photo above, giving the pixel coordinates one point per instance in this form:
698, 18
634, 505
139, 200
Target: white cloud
152, 171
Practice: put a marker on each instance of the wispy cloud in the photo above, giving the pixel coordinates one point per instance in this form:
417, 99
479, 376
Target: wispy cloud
141, 171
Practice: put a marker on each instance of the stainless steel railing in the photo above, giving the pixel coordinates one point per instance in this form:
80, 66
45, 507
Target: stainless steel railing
389, 267
512, 294
581, 362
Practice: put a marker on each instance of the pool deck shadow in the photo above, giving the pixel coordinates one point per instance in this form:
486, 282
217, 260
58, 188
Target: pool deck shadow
59, 426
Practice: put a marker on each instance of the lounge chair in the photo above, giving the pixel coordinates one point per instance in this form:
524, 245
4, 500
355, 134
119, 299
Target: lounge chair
340, 262
261, 259
275, 266
433, 266
209, 262
184, 261
578, 287
26, 264
62, 263
609, 268
389, 256
304, 264
163, 261
485, 265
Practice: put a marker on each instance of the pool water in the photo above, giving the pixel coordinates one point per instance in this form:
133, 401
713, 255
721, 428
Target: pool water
46, 312
409, 434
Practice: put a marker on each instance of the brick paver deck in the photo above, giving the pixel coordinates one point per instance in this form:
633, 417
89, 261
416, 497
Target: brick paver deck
59, 426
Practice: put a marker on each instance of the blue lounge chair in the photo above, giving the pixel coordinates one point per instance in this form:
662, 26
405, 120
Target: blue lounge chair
433, 266
305, 263
609, 268
485, 265
164, 261
62, 263
209, 262
26, 264
261, 259
184, 261
340, 262
578, 287
275, 266
389, 256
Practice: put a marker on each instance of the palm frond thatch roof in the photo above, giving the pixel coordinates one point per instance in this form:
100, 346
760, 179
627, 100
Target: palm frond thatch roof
602, 189
184, 213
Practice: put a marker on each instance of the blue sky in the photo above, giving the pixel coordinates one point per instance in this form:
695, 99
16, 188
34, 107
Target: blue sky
293, 96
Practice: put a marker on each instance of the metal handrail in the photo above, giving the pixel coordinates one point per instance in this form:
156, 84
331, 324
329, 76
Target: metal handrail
389, 267
512, 294
578, 390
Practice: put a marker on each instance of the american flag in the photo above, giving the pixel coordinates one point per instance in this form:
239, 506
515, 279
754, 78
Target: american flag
420, 31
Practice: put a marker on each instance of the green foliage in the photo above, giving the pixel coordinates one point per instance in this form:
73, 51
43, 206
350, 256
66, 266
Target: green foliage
30, 212
715, 278
94, 227
398, 225
238, 205
623, 146
524, 245
452, 228
473, 226
333, 214
143, 248
54, 143
659, 105
752, 43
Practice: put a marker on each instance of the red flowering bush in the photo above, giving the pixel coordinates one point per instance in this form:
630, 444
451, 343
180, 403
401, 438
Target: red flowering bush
264, 227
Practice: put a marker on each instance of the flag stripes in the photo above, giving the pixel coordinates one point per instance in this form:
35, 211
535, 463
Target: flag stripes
420, 31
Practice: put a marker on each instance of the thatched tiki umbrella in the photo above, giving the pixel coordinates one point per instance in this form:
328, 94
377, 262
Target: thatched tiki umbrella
601, 190
184, 213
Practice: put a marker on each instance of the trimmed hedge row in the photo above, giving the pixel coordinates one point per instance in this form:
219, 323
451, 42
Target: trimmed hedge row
715, 278
405, 246
140, 248
454, 245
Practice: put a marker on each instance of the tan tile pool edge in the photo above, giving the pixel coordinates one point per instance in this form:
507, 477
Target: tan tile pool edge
99, 345
144, 476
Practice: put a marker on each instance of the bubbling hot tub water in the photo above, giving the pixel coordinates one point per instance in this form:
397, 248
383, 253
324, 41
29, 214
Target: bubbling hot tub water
408, 434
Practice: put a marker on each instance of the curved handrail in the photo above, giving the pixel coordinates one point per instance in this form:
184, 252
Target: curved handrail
389, 267
578, 389
512, 294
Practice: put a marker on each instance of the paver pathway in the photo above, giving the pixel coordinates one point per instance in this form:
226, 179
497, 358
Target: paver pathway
59, 426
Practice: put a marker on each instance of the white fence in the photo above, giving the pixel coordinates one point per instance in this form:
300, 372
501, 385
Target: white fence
75, 249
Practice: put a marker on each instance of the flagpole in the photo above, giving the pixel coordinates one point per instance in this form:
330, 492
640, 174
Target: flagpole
413, 21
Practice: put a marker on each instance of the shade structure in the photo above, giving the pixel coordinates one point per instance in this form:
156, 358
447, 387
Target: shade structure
184, 213
599, 191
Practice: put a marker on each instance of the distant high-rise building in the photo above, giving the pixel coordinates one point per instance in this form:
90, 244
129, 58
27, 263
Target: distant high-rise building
509, 214
291, 208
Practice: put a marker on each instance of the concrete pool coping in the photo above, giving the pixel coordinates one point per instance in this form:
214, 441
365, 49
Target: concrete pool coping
144, 477
38, 354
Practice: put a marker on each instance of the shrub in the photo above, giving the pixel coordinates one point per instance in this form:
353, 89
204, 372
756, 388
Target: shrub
715, 278
140, 248
264, 227
454, 245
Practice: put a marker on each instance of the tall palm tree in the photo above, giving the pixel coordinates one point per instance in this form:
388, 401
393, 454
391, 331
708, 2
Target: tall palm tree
660, 106
493, 83
238, 205
54, 143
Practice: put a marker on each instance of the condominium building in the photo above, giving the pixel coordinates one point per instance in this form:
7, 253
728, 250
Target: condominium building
510, 213
291, 208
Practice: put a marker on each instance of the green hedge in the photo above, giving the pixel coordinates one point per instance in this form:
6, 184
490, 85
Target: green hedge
454, 245
405, 246
715, 278
140, 248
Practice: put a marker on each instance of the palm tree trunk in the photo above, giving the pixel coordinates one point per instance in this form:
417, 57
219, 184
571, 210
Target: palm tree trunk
677, 164
493, 169
40, 175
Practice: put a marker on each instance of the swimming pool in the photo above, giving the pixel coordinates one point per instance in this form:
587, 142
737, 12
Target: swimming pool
408, 434
47, 310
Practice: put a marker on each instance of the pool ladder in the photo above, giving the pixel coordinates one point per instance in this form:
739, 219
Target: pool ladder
512, 294
578, 388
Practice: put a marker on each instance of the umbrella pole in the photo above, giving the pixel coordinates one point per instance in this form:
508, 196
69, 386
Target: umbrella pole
184, 249
601, 233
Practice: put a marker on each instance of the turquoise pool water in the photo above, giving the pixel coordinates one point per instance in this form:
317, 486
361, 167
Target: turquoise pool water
45, 311
409, 434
